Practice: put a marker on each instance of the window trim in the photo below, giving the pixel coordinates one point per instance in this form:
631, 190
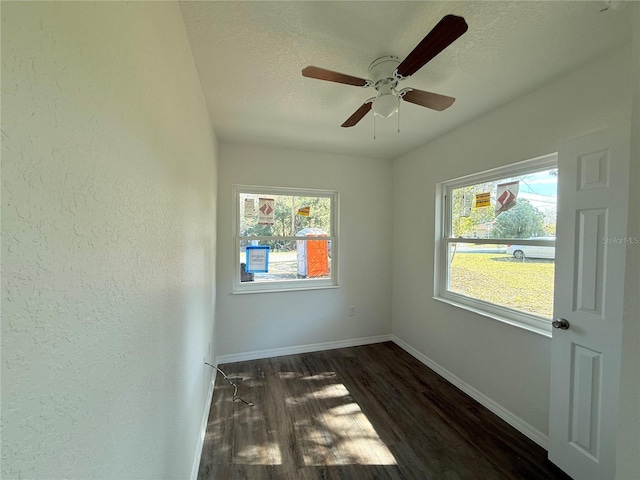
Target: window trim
443, 238
239, 287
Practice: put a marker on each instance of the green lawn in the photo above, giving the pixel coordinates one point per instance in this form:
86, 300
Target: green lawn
499, 278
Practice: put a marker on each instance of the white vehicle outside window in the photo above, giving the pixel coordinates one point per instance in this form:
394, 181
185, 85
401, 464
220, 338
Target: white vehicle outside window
533, 251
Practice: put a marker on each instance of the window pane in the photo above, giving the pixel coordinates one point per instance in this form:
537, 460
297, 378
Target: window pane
489, 273
291, 213
303, 259
517, 207
285, 220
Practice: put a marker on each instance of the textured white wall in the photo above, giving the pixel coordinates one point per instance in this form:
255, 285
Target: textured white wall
265, 321
507, 364
108, 241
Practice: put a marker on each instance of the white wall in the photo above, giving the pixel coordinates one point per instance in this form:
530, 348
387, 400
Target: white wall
507, 364
108, 241
269, 321
628, 465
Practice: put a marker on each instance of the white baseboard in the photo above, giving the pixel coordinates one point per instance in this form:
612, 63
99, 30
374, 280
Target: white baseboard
516, 422
312, 347
203, 429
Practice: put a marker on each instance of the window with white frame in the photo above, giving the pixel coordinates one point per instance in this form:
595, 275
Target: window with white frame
285, 238
495, 252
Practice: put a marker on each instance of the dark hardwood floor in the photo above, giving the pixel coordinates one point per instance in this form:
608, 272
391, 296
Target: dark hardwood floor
371, 412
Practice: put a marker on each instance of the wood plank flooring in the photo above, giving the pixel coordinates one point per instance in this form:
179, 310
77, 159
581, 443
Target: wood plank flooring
370, 412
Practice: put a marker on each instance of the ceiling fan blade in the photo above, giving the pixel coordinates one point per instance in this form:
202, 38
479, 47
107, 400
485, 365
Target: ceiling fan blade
447, 31
358, 114
434, 101
328, 75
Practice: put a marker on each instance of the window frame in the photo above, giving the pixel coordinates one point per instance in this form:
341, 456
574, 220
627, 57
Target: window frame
240, 287
444, 238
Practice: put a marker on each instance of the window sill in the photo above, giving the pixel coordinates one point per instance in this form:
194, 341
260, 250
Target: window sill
523, 321
282, 290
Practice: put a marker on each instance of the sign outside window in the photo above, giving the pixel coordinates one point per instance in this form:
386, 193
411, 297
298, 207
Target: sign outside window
257, 260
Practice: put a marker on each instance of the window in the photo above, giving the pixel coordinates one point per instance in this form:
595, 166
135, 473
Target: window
285, 239
495, 252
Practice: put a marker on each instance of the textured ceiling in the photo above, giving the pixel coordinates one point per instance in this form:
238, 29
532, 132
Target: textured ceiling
249, 56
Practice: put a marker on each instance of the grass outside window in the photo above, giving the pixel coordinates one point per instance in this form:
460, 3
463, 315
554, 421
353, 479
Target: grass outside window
522, 284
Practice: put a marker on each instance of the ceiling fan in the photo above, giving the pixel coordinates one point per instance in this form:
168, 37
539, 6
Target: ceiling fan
386, 72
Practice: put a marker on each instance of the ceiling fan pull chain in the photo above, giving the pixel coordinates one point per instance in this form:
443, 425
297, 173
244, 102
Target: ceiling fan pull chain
398, 114
374, 127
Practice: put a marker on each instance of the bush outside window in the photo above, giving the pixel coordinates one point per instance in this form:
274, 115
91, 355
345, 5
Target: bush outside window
496, 243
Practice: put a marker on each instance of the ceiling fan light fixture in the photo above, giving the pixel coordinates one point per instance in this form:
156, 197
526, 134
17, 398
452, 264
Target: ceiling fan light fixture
385, 105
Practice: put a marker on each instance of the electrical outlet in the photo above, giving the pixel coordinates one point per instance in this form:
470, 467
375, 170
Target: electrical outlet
352, 311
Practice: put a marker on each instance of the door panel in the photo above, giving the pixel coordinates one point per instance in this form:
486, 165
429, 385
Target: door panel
589, 264
585, 358
586, 389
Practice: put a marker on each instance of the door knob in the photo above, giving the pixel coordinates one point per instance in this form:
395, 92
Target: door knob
561, 323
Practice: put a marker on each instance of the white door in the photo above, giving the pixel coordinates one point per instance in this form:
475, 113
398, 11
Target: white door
589, 286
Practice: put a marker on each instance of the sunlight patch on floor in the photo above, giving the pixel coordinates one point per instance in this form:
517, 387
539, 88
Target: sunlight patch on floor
329, 429
342, 434
330, 391
361, 443
264, 454
320, 376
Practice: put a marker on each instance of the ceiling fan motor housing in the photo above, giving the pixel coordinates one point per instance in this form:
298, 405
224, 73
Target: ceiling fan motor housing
381, 70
